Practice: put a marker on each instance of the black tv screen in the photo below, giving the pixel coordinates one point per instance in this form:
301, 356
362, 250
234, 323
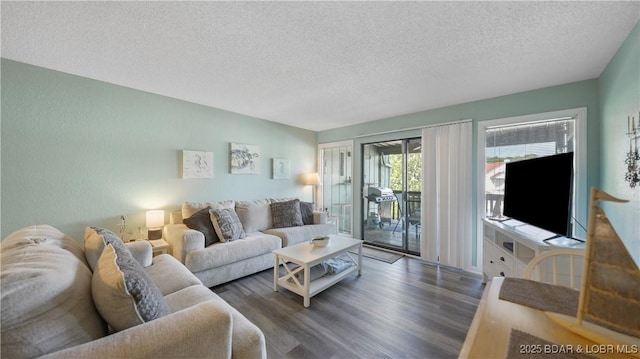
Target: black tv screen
538, 191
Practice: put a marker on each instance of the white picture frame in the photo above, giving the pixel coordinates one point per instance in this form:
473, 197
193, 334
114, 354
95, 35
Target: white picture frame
197, 164
281, 169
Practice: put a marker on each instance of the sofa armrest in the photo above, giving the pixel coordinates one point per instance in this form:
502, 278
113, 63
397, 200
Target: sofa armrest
142, 251
319, 217
201, 331
182, 240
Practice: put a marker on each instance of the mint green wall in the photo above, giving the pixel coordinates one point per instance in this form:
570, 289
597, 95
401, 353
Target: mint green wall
619, 88
568, 96
78, 152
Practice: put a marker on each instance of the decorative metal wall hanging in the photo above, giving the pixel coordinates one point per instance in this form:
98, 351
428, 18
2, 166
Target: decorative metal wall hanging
632, 159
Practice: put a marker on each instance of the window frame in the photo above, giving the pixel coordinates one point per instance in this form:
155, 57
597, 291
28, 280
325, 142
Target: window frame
580, 196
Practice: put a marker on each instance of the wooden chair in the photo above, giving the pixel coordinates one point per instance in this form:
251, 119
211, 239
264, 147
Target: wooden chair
561, 257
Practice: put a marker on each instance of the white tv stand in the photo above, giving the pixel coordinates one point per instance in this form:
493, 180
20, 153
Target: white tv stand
508, 246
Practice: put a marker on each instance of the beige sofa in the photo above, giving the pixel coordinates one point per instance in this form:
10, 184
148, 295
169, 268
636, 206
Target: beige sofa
62, 301
221, 262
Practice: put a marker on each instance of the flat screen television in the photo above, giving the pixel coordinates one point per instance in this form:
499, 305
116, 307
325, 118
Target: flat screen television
538, 191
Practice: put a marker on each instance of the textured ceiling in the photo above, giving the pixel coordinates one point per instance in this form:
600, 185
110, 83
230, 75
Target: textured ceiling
321, 65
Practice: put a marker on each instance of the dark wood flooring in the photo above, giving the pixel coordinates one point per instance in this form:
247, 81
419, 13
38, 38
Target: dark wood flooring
408, 309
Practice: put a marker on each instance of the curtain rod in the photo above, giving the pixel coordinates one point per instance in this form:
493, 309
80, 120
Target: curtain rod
412, 128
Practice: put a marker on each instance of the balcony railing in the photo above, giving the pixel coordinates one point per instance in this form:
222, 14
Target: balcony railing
493, 204
413, 199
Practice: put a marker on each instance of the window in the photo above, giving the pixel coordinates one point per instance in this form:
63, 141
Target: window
516, 138
509, 143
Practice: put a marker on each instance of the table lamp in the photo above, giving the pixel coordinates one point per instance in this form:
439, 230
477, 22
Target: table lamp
155, 222
312, 179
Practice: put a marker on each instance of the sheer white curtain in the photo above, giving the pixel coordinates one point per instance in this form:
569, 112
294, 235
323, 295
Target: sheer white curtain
446, 191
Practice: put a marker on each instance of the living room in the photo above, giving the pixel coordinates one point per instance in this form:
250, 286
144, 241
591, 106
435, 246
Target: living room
83, 150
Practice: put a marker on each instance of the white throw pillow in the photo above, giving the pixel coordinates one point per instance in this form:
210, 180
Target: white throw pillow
254, 215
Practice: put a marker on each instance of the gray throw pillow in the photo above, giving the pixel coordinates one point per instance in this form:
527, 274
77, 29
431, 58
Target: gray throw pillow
123, 292
111, 238
286, 214
95, 239
227, 224
201, 221
306, 210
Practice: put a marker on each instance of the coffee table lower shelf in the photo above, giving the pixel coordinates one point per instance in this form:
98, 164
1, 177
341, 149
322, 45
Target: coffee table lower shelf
318, 285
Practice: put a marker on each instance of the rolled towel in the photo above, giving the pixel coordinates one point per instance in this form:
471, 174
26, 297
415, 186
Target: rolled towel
337, 265
317, 271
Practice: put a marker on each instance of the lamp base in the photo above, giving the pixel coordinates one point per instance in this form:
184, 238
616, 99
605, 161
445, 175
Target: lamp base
155, 234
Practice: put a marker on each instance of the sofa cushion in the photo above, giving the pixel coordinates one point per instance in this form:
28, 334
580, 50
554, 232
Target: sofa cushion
95, 239
44, 235
123, 292
201, 221
248, 340
190, 296
295, 235
170, 275
46, 294
227, 224
190, 208
286, 214
306, 210
254, 215
175, 217
219, 254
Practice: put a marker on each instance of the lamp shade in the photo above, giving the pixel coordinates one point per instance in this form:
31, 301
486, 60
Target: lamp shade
312, 179
155, 219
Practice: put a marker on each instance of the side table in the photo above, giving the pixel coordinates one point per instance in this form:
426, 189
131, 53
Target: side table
160, 246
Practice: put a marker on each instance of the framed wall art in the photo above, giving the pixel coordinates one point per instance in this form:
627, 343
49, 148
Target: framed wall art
197, 164
281, 169
244, 159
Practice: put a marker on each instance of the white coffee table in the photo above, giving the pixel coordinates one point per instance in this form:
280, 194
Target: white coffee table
306, 255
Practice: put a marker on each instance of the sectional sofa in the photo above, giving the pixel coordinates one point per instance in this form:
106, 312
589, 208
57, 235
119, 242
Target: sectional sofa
265, 225
111, 300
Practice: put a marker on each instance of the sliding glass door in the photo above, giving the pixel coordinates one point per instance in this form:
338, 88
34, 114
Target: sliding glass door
392, 188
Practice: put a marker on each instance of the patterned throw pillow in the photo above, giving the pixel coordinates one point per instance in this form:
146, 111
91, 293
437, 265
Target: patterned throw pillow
123, 292
227, 224
286, 214
96, 239
201, 221
306, 210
